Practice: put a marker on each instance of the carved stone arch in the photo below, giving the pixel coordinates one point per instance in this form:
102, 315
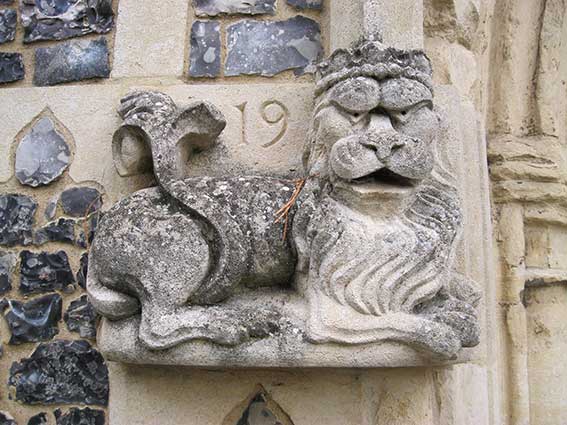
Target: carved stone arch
59, 129
258, 409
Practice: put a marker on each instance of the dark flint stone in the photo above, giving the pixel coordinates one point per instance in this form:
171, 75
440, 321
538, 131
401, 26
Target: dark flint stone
91, 226
16, 219
33, 321
44, 272
63, 230
8, 19
258, 412
61, 372
7, 265
233, 7
270, 47
81, 317
81, 201
40, 419
11, 67
42, 155
61, 19
71, 61
83, 270
7, 419
6, 2
51, 209
306, 4
205, 49
80, 417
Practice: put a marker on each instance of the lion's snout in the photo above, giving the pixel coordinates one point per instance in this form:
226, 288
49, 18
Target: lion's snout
360, 155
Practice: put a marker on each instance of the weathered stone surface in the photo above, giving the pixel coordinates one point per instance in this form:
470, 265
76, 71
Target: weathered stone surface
33, 321
16, 219
42, 155
230, 7
81, 317
61, 19
6, 2
370, 240
81, 201
83, 270
205, 58
44, 272
7, 419
39, 419
8, 20
63, 230
268, 48
11, 67
306, 4
61, 372
71, 61
7, 265
80, 417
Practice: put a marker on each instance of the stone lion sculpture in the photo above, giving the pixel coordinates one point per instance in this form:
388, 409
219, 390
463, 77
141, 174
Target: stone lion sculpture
366, 254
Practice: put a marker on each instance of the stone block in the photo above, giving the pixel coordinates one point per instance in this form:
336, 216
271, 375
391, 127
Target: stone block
11, 67
62, 230
88, 228
205, 60
77, 416
306, 4
71, 61
39, 419
8, 20
62, 19
5, 417
33, 321
81, 201
16, 219
42, 155
270, 47
81, 317
233, 7
150, 44
266, 128
7, 265
83, 270
61, 372
44, 272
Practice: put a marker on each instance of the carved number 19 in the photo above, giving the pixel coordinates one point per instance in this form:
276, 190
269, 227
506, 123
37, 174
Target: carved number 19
272, 112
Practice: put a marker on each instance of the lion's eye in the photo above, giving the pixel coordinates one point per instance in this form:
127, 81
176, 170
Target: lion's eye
404, 115
356, 117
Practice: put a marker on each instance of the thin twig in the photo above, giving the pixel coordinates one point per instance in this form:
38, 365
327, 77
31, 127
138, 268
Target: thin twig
283, 212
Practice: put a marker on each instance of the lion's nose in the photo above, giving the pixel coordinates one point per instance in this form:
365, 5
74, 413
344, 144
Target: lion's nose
381, 136
379, 122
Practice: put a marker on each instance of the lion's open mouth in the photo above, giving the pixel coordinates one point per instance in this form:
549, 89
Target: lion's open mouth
385, 177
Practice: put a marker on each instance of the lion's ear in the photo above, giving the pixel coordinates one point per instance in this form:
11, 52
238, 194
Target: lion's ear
131, 151
199, 125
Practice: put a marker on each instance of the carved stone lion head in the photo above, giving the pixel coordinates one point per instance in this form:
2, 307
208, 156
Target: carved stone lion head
373, 125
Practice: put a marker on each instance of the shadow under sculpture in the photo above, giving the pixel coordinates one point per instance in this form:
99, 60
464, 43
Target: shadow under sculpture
197, 271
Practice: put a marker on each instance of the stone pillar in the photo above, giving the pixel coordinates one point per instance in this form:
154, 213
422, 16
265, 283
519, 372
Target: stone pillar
398, 23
